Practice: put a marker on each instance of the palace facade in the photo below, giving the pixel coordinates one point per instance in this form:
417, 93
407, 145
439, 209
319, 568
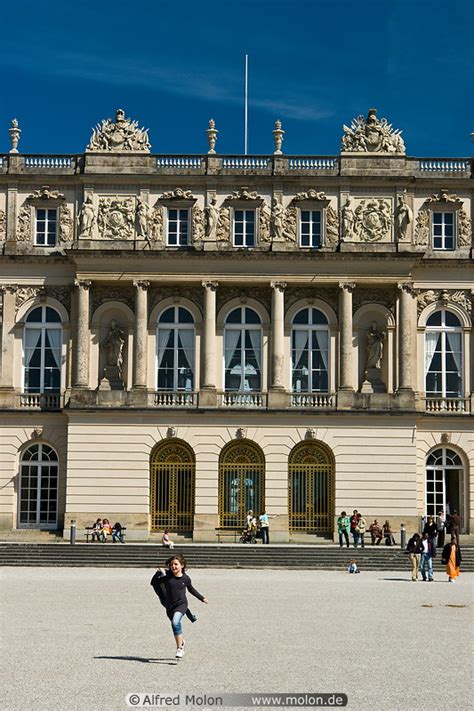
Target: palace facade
185, 338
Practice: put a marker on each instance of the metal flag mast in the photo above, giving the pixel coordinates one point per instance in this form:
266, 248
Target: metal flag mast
246, 103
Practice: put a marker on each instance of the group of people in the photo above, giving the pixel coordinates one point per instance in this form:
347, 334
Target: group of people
102, 528
256, 528
422, 549
356, 526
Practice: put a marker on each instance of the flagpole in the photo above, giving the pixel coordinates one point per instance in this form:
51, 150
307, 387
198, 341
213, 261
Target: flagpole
246, 104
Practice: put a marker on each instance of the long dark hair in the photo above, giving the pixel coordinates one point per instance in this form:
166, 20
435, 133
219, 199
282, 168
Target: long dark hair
179, 557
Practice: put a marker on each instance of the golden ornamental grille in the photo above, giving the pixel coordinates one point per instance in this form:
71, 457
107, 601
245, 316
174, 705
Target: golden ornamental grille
241, 483
310, 489
172, 487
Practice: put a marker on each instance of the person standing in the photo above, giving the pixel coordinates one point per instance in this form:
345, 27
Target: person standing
427, 555
431, 530
452, 559
361, 526
343, 527
415, 549
440, 527
455, 525
355, 533
264, 523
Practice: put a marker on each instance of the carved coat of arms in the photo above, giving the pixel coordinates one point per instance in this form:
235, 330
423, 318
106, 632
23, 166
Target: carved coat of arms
123, 134
372, 135
373, 220
116, 217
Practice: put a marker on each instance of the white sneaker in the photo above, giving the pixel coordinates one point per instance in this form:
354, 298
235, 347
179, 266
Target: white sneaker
180, 651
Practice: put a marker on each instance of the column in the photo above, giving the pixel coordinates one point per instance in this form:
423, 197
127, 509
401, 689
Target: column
8, 295
209, 336
345, 335
278, 334
81, 359
406, 366
140, 343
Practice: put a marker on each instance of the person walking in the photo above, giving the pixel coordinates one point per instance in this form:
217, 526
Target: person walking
343, 528
415, 549
427, 555
452, 559
440, 527
171, 589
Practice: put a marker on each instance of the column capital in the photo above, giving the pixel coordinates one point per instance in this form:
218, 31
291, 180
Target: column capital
347, 286
141, 284
210, 285
407, 287
278, 285
83, 283
11, 288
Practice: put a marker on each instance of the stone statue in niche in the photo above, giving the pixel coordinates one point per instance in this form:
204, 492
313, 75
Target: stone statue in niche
112, 348
347, 215
142, 212
212, 218
403, 218
278, 217
86, 218
373, 362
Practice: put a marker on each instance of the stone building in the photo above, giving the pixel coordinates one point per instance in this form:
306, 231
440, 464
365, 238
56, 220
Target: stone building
185, 338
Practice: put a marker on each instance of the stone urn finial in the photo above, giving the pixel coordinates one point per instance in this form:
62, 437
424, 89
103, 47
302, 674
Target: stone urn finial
15, 132
278, 134
212, 136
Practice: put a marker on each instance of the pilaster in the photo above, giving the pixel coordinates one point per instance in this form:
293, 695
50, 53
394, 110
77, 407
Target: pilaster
208, 391
140, 343
8, 293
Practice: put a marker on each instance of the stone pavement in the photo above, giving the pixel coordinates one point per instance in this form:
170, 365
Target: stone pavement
81, 639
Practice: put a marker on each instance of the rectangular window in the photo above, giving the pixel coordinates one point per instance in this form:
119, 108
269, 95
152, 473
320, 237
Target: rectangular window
45, 227
244, 228
178, 227
443, 230
310, 228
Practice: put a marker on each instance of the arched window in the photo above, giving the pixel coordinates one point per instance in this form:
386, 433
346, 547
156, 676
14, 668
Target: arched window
311, 475
310, 352
444, 483
243, 351
42, 351
443, 355
175, 351
172, 486
38, 487
241, 483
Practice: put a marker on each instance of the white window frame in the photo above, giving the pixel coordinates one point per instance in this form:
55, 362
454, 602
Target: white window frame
443, 330
443, 237
442, 469
243, 327
311, 235
309, 328
43, 326
180, 221
176, 327
244, 221
42, 464
47, 220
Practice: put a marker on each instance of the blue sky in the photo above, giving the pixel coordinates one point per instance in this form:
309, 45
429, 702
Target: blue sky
315, 64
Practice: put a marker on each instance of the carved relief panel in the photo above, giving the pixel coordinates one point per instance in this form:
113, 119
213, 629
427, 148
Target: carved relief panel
367, 220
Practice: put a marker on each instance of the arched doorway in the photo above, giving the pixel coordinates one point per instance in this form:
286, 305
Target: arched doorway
172, 477
38, 494
241, 483
445, 484
311, 488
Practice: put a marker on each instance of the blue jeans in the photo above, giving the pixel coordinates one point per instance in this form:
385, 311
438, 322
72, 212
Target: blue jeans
346, 537
176, 623
426, 561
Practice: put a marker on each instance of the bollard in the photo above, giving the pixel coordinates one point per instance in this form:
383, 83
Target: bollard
72, 532
403, 536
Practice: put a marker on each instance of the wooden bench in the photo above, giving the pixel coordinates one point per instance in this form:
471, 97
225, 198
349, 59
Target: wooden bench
90, 529
235, 533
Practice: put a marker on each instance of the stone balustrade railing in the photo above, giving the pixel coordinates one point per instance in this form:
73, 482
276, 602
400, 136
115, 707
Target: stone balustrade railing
314, 401
444, 165
228, 164
247, 400
176, 399
447, 405
41, 401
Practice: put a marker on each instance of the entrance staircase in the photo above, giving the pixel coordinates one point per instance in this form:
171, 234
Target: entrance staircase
134, 555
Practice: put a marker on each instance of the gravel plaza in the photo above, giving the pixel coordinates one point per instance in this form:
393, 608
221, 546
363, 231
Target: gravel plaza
82, 639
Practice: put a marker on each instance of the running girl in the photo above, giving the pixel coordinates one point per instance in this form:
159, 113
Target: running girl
171, 589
